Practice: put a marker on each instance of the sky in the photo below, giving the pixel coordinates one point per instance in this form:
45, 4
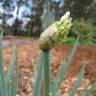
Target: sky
23, 10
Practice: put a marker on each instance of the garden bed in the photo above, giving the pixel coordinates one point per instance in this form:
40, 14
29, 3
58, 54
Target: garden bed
28, 56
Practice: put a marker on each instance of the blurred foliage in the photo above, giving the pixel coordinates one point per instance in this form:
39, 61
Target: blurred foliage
35, 21
85, 29
78, 8
92, 12
81, 9
8, 78
47, 17
70, 40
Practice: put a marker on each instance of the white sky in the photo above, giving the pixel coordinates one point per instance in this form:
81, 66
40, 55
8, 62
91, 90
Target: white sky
23, 10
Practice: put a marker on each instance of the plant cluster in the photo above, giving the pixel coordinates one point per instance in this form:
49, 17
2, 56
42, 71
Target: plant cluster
52, 88
86, 31
9, 81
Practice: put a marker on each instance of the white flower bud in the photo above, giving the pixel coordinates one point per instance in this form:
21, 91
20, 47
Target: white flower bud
56, 33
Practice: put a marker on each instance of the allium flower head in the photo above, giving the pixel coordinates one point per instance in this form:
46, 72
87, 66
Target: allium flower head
66, 16
56, 33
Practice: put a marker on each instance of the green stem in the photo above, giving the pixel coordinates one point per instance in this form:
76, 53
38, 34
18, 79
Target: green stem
38, 78
46, 72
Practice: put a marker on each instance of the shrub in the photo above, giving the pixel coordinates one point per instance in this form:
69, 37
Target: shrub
86, 31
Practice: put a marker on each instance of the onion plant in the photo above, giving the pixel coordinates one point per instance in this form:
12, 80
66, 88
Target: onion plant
55, 35
9, 79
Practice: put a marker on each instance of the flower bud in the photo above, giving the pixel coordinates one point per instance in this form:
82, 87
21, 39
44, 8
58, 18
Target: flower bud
56, 33
66, 16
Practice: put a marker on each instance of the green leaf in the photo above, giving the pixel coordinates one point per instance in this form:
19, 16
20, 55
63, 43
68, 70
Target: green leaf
12, 76
1, 66
15, 75
1, 87
89, 90
38, 79
63, 70
46, 72
78, 82
8, 84
70, 40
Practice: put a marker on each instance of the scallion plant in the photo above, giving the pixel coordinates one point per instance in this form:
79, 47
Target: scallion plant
9, 79
54, 35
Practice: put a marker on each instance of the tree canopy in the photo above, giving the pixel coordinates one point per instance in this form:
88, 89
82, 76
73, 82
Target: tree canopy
27, 16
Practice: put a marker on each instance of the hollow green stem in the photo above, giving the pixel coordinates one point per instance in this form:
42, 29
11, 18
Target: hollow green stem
46, 72
38, 76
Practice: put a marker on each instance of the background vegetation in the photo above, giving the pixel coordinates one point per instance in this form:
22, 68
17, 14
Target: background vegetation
21, 17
